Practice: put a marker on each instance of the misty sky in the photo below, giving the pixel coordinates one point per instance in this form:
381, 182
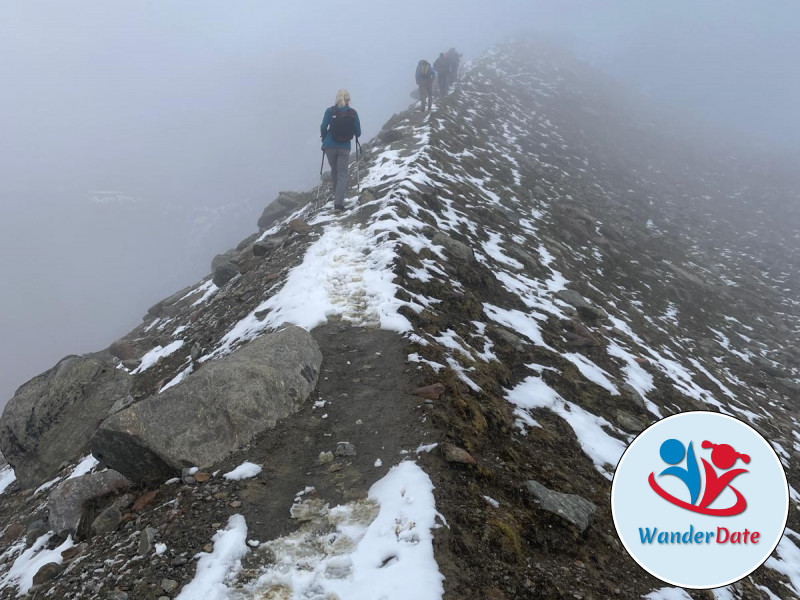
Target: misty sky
191, 103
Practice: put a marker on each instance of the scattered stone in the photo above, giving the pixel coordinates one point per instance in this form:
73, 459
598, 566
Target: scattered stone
178, 561
51, 417
236, 397
146, 539
169, 585
236, 504
345, 449
201, 477
634, 394
131, 364
65, 503
47, 573
584, 307
573, 508
325, 457
208, 548
458, 249
507, 337
70, 553
189, 480
144, 501
628, 422
11, 533
299, 226
34, 531
268, 245
107, 521
454, 454
431, 392
118, 595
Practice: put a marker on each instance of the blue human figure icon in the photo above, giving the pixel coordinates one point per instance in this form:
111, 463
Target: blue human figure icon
672, 452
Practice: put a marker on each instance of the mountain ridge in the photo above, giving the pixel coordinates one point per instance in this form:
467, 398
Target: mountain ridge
506, 251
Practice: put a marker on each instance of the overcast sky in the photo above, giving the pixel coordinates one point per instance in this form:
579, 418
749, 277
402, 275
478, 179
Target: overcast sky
199, 103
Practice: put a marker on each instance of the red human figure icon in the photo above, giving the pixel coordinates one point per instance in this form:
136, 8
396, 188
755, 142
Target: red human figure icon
724, 457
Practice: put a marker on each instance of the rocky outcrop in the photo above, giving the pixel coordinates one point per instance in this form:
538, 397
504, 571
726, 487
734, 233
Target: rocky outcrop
219, 408
65, 503
282, 206
50, 418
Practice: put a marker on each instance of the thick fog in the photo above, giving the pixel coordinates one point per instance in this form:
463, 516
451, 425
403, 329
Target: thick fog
137, 139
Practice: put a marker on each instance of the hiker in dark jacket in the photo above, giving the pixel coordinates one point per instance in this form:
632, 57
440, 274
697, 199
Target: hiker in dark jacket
424, 76
453, 62
339, 125
442, 67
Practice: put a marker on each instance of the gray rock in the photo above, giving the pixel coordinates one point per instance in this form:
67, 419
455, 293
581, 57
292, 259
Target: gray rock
282, 206
220, 408
169, 585
146, 539
34, 531
345, 449
458, 249
47, 573
571, 507
628, 422
223, 270
50, 418
65, 503
107, 521
634, 394
573, 298
506, 336
118, 595
268, 245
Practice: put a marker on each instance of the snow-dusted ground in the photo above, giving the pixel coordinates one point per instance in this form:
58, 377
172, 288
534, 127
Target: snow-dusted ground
381, 548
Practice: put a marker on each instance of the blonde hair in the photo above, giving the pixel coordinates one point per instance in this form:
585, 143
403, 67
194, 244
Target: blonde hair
342, 98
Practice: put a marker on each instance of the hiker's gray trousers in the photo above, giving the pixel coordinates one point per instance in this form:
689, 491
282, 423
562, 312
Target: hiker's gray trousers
338, 159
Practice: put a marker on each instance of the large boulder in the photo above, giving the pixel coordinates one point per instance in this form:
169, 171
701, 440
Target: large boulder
223, 269
285, 204
65, 503
214, 411
51, 418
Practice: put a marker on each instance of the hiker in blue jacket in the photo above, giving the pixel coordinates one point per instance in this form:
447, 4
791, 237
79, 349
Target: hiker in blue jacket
339, 125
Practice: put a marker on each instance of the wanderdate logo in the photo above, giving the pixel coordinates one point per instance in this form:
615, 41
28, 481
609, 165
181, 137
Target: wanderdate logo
723, 457
700, 500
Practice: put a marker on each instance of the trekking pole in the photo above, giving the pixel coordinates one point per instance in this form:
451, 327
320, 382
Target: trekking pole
358, 182
321, 167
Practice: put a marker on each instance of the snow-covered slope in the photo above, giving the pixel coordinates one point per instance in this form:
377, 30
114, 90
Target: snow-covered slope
570, 273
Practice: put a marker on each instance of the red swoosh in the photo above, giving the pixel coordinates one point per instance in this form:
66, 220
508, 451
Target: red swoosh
736, 509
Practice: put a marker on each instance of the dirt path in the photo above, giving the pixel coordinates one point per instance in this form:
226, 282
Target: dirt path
364, 384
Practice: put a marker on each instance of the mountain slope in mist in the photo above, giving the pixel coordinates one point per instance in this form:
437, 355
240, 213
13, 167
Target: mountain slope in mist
559, 269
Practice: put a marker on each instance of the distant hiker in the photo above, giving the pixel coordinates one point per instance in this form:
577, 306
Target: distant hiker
425, 75
339, 125
453, 62
442, 67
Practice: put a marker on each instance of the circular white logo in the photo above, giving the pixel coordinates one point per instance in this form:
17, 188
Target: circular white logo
700, 500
